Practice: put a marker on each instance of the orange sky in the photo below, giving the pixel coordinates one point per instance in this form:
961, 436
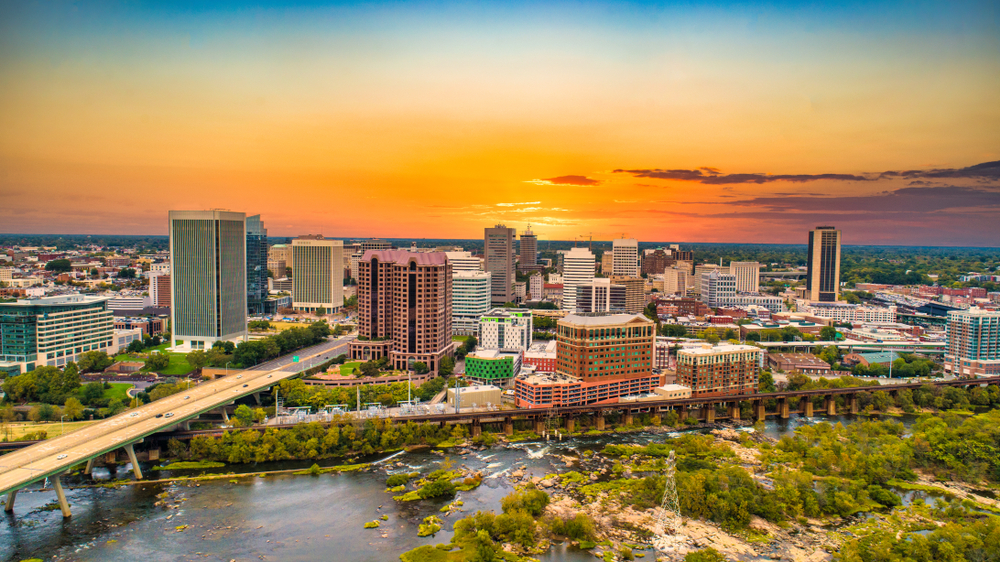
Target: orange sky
379, 121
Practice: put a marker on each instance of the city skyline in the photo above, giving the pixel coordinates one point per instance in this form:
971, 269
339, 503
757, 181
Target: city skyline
698, 122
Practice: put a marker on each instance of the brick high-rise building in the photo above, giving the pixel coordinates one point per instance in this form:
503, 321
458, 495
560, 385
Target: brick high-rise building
722, 370
656, 262
404, 308
159, 289
529, 248
603, 348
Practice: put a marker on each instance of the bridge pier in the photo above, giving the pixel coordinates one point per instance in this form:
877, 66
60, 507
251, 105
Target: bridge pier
135, 462
225, 414
89, 469
256, 397
852, 403
628, 418
61, 494
760, 410
808, 411
539, 426
508, 427
11, 496
783, 408
599, 422
570, 424
734, 410
831, 406
708, 412
682, 413
477, 429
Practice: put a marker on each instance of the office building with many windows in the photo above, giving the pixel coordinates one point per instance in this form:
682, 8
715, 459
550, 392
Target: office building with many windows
470, 301
973, 343
625, 260
208, 287
722, 370
499, 260
52, 331
747, 275
256, 265
823, 262
506, 328
318, 275
578, 270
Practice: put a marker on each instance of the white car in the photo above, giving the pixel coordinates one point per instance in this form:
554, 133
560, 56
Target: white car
168, 415
133, 414
61, 457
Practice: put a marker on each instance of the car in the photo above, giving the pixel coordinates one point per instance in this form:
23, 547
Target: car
168, 415
239, 376
268, 376
246, 385
61, 457
159, 415
133, 414
186, 397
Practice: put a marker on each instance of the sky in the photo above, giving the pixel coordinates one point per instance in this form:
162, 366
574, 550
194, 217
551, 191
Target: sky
670, 122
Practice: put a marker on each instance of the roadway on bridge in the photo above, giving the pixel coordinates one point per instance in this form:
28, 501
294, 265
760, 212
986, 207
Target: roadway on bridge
55, 456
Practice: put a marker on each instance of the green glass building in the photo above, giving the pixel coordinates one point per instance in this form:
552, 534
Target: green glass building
208, 277
491, 366
52, 331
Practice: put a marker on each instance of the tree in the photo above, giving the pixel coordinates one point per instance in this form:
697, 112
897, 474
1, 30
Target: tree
127, 273
157, 361
94, 361
94, 272
59, 266
705, 555
197, 359
92, 394
420, 368
73, 409
447, 366
321, 311
766, 382
828, 333
135, 347
243, 416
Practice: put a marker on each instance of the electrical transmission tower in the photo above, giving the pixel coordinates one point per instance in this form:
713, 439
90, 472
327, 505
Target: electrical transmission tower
670, 510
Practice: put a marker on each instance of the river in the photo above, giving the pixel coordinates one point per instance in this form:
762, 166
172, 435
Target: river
283, 517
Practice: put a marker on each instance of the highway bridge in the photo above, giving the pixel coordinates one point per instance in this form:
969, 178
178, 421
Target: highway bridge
927, 348
52, 458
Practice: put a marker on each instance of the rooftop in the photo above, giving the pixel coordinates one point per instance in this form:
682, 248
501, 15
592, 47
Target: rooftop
605, 320
402, 257
713, 350
61, 300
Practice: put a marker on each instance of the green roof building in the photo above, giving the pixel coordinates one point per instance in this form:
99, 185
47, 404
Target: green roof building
52, 331
491, 366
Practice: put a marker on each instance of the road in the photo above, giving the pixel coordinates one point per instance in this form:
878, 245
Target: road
55, 456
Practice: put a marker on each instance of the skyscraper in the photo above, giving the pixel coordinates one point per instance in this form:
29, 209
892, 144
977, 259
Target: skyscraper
578, 270
626, 257
208, 269
470, 300
747, 275
529, 248
499, 250
823, 280
318, 275
973, 343
256, 265
404, 308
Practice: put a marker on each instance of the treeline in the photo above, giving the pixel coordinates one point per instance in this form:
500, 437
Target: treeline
907, 400
313, 441
295, 392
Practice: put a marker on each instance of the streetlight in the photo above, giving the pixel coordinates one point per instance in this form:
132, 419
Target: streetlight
62, 425
227, 367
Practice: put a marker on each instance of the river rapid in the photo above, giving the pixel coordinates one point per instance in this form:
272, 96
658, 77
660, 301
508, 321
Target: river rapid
286, 517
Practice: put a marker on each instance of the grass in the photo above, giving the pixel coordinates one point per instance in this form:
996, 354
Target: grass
52, 429
459, 338
190, 465
349, 367
118, 390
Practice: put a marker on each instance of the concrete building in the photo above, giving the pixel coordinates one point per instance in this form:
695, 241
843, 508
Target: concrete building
478, 396
607, 263
404, 308
358, 249
125, 304
846, 312
747, 275
599, 359
719, 370
499, 257
464, 261
52, 331
973, 343
470, 301
748, 300
541, 356
625, 260
256, 265
280, 252
578, 270
656, 261
805, 363
506, 328
318, 276
208, 289
529, 249
635, 292
159, 289
823, 279
600, 295
716, 286
493, 366
6, 273
536, 285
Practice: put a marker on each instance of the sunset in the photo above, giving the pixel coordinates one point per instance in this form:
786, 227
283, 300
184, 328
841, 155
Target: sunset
427, 120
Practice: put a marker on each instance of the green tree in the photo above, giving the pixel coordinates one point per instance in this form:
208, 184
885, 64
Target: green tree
197, 359
135, 346
59, 266
766, 382
828, 333
127, 273
243, 416
73, 409
157, 361
321, 311
447, 366
94, 361
92, 394
420, 368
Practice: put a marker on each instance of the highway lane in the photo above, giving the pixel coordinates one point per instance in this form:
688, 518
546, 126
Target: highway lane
54, 456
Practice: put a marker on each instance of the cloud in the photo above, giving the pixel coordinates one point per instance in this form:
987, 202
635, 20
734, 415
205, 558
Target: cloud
578, 181
985, 172
908, 199
519, 204
712, 176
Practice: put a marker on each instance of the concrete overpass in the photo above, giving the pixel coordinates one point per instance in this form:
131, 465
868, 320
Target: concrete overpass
52, 458
930, 348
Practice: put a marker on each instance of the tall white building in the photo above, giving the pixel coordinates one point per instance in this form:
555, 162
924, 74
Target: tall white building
536, 286
506, 328
747, 275
626, 257
578, 269
470, 297
716, 286
464, 261
318, 274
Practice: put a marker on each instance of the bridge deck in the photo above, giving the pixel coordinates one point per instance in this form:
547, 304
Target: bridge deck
55, 456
